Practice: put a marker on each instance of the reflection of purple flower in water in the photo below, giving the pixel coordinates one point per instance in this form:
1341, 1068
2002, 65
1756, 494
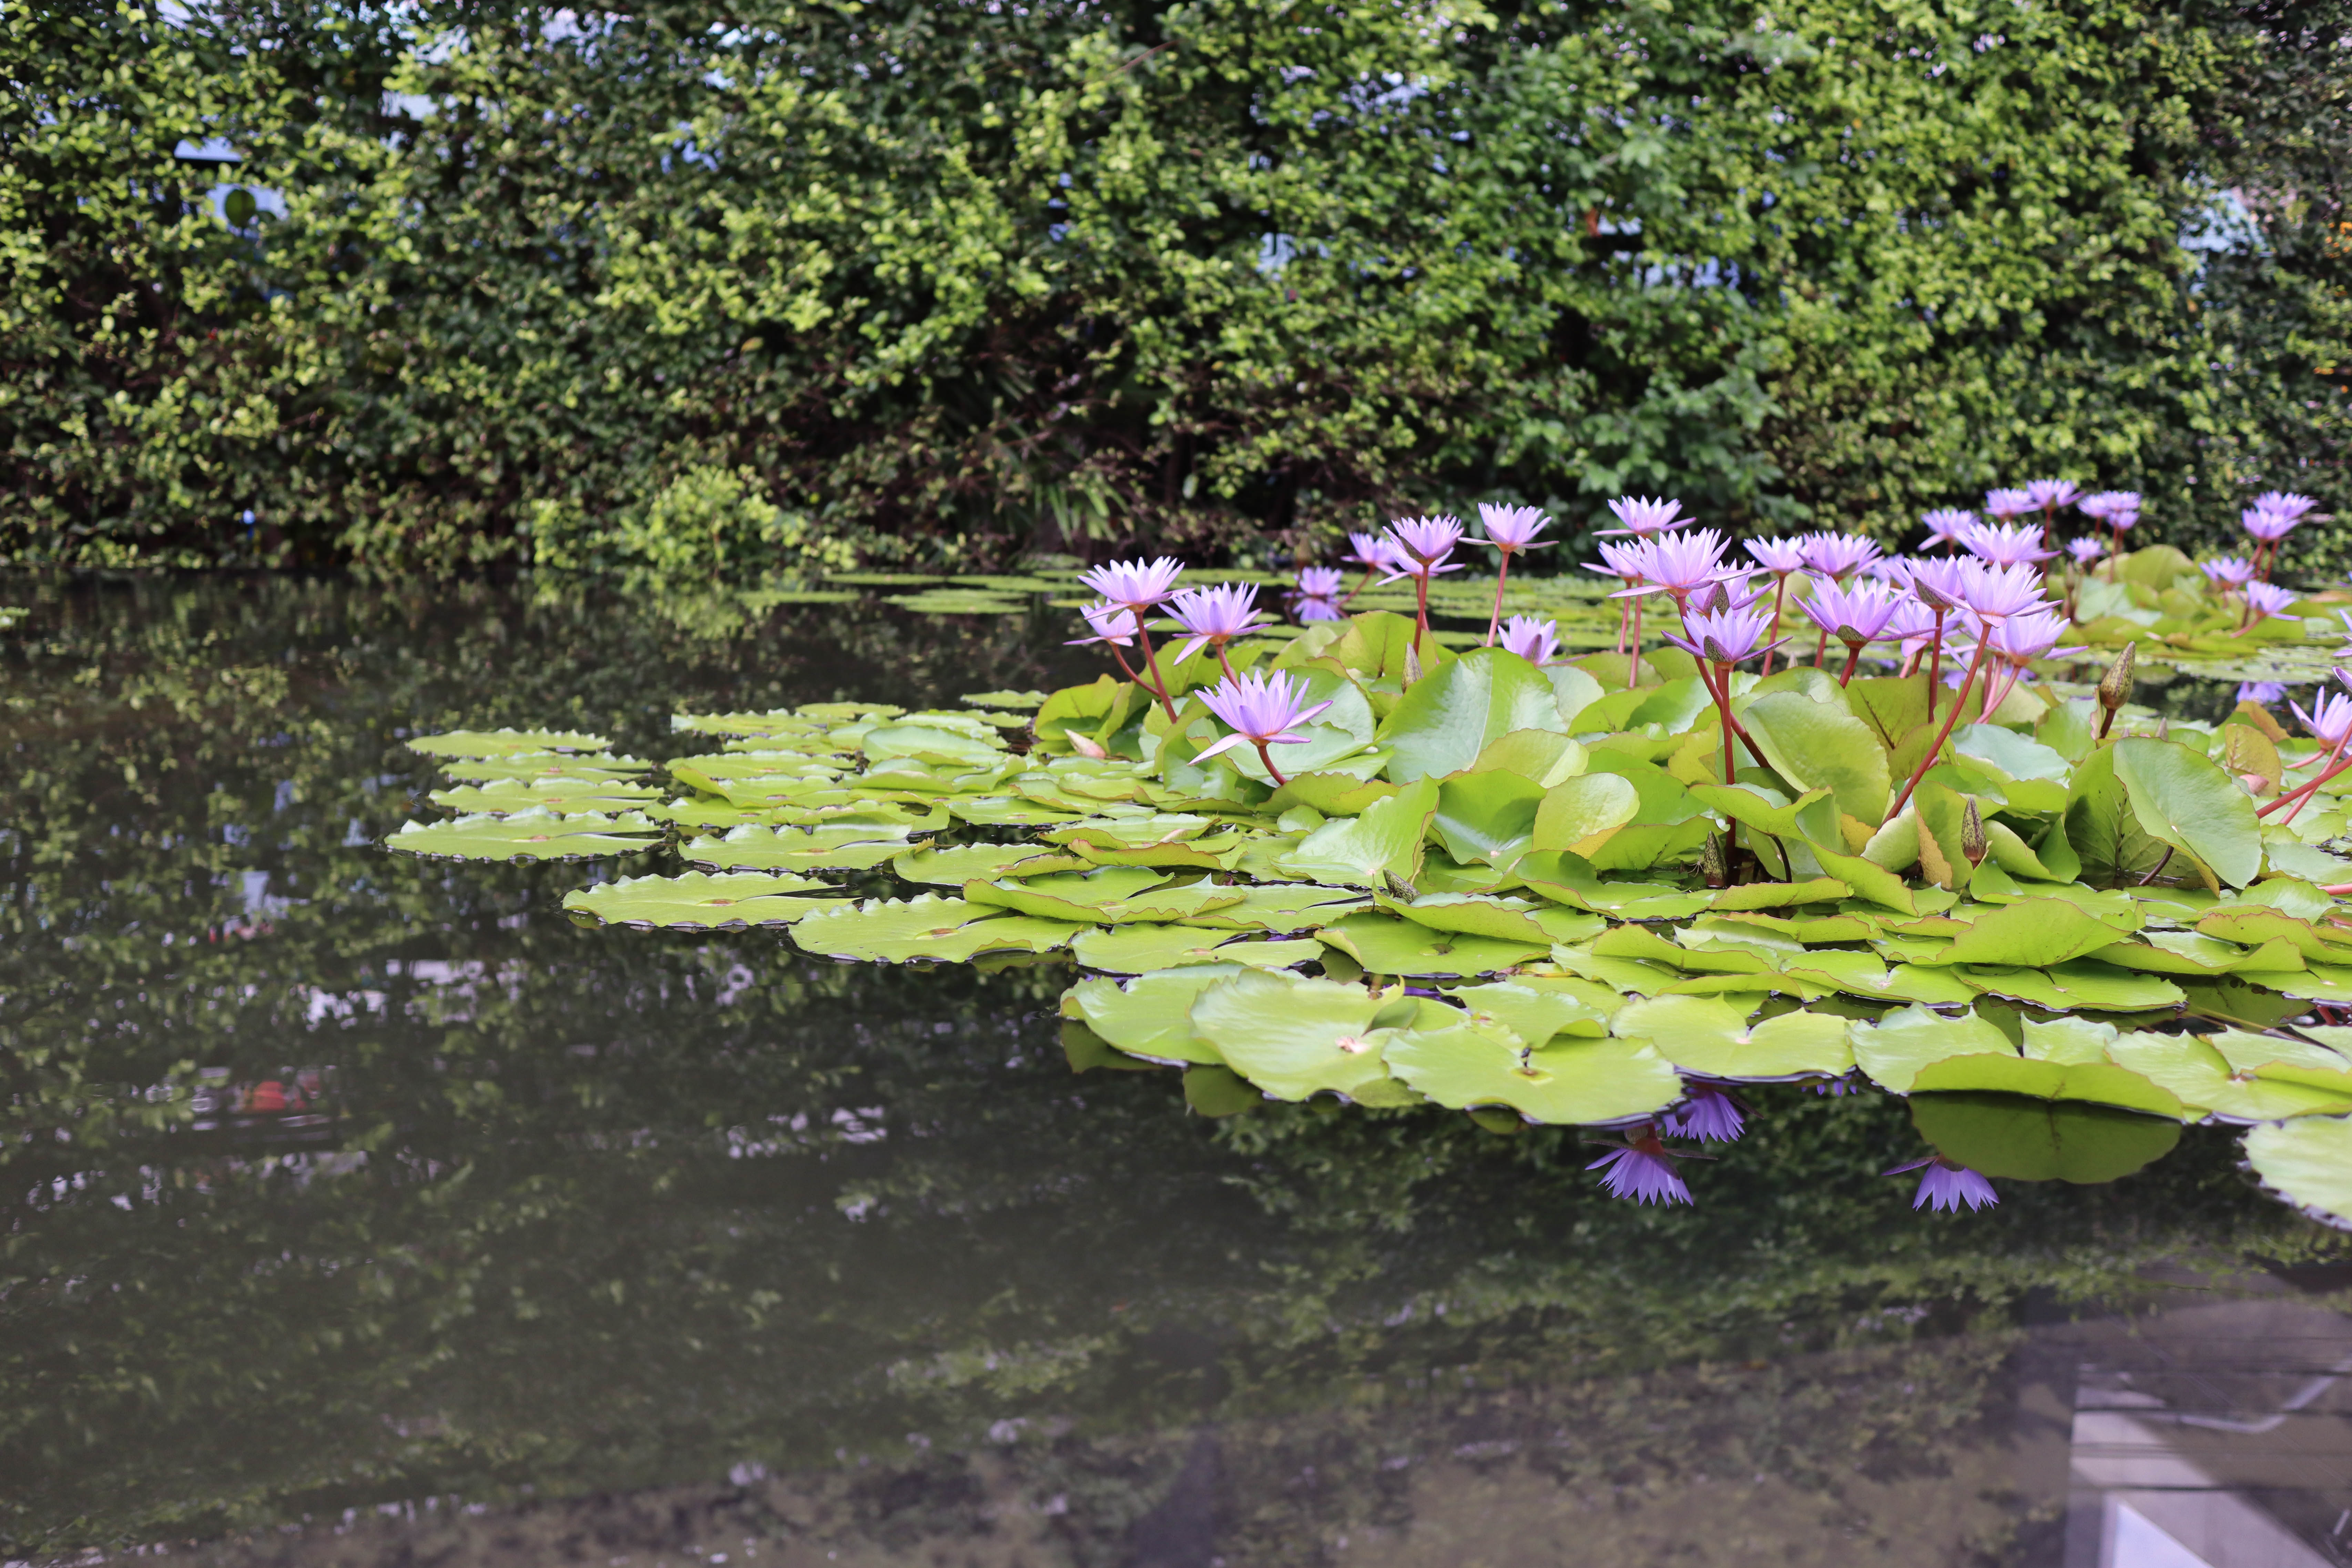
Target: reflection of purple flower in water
1319, 582
1636, 515
1212, 617
1260, 709
1945, 523
1945, 1186
1643, 1169
2261, 691
1315, 608
1709, 1114
1537, 641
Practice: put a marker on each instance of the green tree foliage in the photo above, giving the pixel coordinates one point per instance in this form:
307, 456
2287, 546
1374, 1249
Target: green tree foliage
957, 280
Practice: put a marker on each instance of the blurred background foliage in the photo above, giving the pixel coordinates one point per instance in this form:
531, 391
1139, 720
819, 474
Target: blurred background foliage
679, 294
569, 1211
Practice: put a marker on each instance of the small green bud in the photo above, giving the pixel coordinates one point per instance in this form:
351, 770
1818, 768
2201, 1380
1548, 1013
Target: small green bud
1973, 843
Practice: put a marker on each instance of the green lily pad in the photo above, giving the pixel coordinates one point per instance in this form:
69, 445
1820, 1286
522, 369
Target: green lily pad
2307, 1162
1281, 907
1016, 700
1149, 1016
1385, 945
550, 766
2203, 1079
2068, 987
534, 835
2041, 1140
2097, 1083
2183, 799
1703, 1034
563, 797
1893, 1050
1451, 714
505, 742
1295, 1038
1821, 745
1386, 840
978, 862
1470, 1064
1536, 1014
1505, 919
1219, 1091
700, 901
947, 930
1141, 948
1116, 894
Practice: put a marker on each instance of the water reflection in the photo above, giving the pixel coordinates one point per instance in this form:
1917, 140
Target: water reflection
361, 1208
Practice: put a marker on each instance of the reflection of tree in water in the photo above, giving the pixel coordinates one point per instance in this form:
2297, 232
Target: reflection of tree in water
604, 1212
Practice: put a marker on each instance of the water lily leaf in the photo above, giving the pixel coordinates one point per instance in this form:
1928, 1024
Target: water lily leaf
1821, 745
2101, 827
1865, 974
979, 862
2100, 1083
1116, 894
529, 836
1385, 945
1292, 1037
2041, 1140
1570, 880
2190, 1067
2009, 754
1147, 1016
1000, 811
1572, 691
1342, 790
1219, 1091
532, 766
1281, 907
1780, 895
2261, 926
1892, 707
2183, 799
1017, 701
1538, 1015
947, 930
700, 901
505, 742
1582, 808
2068, 987
1705, 1035
837, 849
1451, 714
1375, 645
1138, 948
2307, 1162
1093, 712
1893, 1050
931, 742
2030, 933
1386, 840
2068, 1041
1540, 756
1505, 919
1469, 1063
1487, 816
563, 797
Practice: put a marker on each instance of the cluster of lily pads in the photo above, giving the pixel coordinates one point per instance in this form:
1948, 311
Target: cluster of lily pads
1352, 860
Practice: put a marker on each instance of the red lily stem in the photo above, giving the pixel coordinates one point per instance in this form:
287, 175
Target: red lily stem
1421, 615
1821, 650
1151, 662
1271, 771
2304, 792
1124, 668
1935, 663
2115, 547
1853, 657
1633, 670
1722, 684
1225, 664
1771, 642
1359, 587
1495, 621
1719, 685
1959, 700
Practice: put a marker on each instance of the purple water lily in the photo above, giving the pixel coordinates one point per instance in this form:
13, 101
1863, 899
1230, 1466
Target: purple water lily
1855, 613
1319, 582
2270, 527
2262, 691
2086, 551
2015, 644
1114, 627
2048, 495
2285, 503
1212, 617
1260, 709
1675, 563
2106, 503
2005, 544
1783, 558
2230, 572
1138, 585
1839, 556
1537, 641
1640, 516
1314, 608
2266, 602
1994, 593
1419, 549
1374, 553
1943, 525
2332, 722
1945, 1186
1725, 637
1641, 1169
2008, 504
1710, 1115
1510, 529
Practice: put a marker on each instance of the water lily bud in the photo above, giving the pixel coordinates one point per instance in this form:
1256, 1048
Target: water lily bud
1713, 864
1973, 843
2115, 687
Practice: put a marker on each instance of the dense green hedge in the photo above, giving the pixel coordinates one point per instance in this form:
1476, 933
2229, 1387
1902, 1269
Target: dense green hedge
959, 280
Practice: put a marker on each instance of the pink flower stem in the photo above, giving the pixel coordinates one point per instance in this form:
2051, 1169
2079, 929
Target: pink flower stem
1271, 771
1853, 657
1779, 587
2304, 793
1359, 587
1633, 670
1152, 662
1495, 621
1935, 664
1959, 700
1421, 613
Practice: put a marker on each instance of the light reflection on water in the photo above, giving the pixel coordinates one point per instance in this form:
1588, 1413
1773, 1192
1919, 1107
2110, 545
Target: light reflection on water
364, 1209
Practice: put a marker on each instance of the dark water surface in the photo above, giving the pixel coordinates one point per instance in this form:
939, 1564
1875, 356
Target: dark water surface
599, 1248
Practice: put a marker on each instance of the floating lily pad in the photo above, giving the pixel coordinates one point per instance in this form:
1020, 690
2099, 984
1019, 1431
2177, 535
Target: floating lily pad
563, 797
535, 767
2309, 1164
837, 849
1294, 1038
978, 862
1713, 1039
947, 930
1385, 945
2041, 1140
505, 742
1139, 948
700, 901
530, 835
1471, 1064
1149, 1016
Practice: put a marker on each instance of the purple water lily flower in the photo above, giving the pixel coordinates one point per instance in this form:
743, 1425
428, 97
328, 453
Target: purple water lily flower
2086, 551
1212, 617
2008, 504
1709, 1115
1940, 581
2231, 572
2106, 503
1838, 556
1315, 607
1641, 1169
2333, 721
1725, 636
1537, 641
1914, 624
2023, 638
1945, 1186
1113, 624
2005, 544
1510, 529
1994, 593
1777, 556
1640, 516
1260, 709
2270, 527
1855, 613
2267, 602
1419, 548
1319, 582
2263, 692
1370, 550
1137, 584
1943, 525
2048, 495
1675, 563
2285, 503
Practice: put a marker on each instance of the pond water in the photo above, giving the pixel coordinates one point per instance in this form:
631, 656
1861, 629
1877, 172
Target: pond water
364, 1209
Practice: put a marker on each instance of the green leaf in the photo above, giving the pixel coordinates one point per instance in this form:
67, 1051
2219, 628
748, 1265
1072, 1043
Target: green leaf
1893, 1050
1219, 1091
1487, 816
977, 862
2189, 1068
505, 742
1821, 745
1535, 1015
1538, 755
700, 901
529, 836
930, 742
1282, 907
947, 930
1116, 894
1385, 945
1470, 1064
1386, 840
2101, 827
841, 848
2041, 1140
563, 797
1139, 948
2029, 933
1375, 645
2184, 800
1522, 920
1293, 1036
2098, 1083
2308, 1162
2067, 987
1445, 720
1148, 1016
1892, 707
1703, 1034
1580, 808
